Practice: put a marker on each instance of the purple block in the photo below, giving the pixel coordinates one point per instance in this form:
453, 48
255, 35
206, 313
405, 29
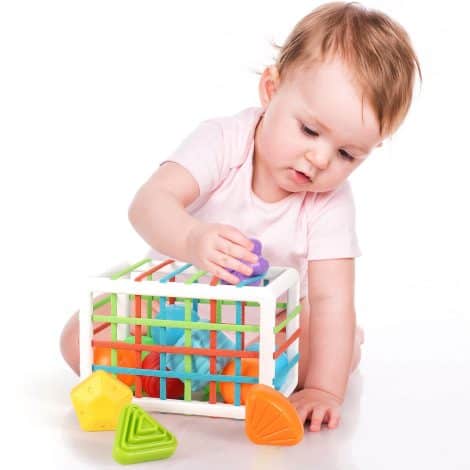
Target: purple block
242, 277
260, 267
257, 247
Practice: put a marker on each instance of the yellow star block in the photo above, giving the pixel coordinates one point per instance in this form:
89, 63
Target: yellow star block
98, 401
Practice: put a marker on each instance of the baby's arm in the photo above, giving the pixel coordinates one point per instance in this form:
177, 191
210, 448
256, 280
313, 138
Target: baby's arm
331, 341
159, 216
158, 213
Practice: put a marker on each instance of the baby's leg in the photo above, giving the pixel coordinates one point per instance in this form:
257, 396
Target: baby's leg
69, 346
69, 339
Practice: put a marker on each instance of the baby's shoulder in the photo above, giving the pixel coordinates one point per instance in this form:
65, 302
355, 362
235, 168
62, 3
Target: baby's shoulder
236, 133
242, 122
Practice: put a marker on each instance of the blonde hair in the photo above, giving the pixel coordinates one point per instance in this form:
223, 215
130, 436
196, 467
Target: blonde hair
376, 48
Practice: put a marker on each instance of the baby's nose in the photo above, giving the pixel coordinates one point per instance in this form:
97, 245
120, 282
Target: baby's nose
318, 159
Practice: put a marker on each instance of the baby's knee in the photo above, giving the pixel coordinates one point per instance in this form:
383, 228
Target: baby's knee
69, 343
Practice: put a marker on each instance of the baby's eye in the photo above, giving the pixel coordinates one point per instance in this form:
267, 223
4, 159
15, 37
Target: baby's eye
309, 132
345, 155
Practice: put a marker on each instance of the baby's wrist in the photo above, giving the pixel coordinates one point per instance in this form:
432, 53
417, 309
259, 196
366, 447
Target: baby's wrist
188, 237
326, 394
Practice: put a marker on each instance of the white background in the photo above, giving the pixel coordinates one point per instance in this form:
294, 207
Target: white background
94, 94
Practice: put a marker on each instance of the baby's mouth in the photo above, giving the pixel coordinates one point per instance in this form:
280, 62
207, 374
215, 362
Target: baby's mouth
302, 174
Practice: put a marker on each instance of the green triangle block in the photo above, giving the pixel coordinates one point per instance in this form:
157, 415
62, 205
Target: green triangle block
147, 426
139, 435
139, 438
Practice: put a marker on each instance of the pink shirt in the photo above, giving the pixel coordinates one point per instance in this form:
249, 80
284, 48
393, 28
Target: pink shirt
301, 227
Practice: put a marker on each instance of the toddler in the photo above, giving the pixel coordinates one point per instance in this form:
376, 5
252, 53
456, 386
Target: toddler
342, 83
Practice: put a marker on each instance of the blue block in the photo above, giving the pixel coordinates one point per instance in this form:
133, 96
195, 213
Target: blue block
172, 335
280, 369
200, 364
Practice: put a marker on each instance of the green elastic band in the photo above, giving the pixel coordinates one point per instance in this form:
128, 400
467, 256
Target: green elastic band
187, 343
195, 277
291, 315
280, 305
113, 329
101, 302
129, 269
176, 324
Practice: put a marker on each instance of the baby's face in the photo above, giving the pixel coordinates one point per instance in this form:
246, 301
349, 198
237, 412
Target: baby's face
315, 131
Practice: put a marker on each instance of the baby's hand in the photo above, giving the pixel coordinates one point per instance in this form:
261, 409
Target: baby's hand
318, 406
218, 247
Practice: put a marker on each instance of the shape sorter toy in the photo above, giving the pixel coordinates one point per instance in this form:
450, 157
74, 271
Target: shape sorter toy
181, 339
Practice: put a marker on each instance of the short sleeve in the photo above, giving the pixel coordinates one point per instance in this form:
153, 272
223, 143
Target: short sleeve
202, 154
331, 225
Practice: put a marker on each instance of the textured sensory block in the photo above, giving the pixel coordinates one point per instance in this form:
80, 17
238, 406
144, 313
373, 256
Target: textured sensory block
98, 400
259, 268
271, 419
281, 366
151, 384
125, 358
249, 367
172, 335
139, 438
200, 364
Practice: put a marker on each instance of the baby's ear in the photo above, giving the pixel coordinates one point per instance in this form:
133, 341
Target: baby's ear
268, 84
274, 74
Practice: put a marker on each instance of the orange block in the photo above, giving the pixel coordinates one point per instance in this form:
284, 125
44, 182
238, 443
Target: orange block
271, 419
249, 367
125, 358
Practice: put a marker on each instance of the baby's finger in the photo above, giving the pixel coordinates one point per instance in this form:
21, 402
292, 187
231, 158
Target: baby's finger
333, 419
236, 251
317, 418
222, 273
235, 236
226, 261
303, 411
